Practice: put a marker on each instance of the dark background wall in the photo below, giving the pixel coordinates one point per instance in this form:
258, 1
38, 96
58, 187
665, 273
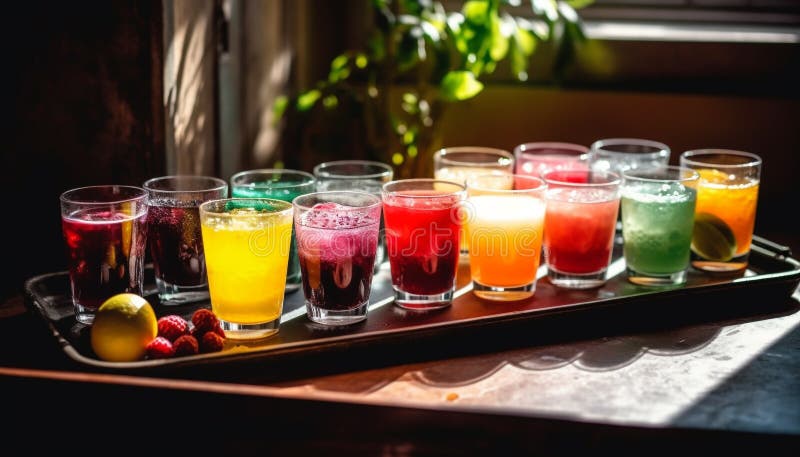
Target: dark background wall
83, 107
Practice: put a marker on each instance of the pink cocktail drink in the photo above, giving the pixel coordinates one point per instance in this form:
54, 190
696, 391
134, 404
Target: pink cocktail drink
535, 159
580, 223
337, 243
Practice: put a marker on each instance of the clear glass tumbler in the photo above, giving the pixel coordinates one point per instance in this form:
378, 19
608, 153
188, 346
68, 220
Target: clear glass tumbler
105, 232
657, 220
620, 154
725, 217
356, 175
504, 226
579, 226
246, 243
280, 184
461, 163
337, 241
174, 236
533, 159
423, 231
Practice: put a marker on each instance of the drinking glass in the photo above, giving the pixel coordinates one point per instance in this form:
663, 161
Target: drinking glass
423, 228
726, 207
460, 163
657, 218
357, 175
174, 236
504, 225
246, 243
579, 226
620, 154
337, 240
105, 233
280, 184
533, 159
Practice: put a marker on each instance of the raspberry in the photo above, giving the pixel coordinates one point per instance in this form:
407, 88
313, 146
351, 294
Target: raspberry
204, 320
211, 342
198, 333
186, 345
160, 348
171, 327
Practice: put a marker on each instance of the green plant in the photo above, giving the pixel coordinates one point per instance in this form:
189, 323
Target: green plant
385, 99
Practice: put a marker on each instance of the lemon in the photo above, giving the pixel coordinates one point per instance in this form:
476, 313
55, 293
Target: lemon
123, 327
712, 239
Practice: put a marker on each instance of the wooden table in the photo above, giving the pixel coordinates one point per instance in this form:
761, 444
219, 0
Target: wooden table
723, 383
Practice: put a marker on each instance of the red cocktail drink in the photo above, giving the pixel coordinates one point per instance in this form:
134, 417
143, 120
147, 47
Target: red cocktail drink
105, 234
422, 236
579, 226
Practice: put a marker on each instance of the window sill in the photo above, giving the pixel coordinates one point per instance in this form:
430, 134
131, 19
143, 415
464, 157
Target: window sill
688, 32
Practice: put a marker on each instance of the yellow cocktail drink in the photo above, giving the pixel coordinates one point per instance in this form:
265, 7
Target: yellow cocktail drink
247, 252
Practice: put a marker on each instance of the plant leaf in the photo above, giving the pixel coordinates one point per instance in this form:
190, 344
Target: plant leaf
460, 85
525, 41
279, 107
476, 11
499, 47
339, 62
307, 100
578, 4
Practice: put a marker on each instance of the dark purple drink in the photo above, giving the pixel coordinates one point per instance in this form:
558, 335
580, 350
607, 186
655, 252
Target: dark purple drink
337, 246
176, 245
105, 251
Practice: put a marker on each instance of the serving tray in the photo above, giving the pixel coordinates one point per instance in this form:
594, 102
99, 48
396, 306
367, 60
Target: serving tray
392, 334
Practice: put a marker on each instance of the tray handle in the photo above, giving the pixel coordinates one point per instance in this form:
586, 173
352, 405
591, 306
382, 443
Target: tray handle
779, 250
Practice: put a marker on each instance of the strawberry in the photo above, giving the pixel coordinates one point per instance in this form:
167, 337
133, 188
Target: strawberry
186, 345
211, 342
204, 320
171, 327
160, 348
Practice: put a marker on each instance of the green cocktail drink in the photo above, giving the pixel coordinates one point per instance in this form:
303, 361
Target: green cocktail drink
279, 184
657, 221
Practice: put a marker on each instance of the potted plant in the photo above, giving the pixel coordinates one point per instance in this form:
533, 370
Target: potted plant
383, 101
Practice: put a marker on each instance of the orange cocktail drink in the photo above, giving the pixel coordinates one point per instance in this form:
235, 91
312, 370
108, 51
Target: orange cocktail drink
725, 214
504, 226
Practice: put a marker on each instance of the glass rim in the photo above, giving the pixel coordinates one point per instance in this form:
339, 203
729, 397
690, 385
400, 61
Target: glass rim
687, 158
377, 200
631, 174
615, 181
276, 171
441, 155
399, 193
220, 183
203, 207
605, 142
320, 173
542, 183
568, 148
66, 199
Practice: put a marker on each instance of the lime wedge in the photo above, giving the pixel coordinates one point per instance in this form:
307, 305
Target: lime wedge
712, 239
